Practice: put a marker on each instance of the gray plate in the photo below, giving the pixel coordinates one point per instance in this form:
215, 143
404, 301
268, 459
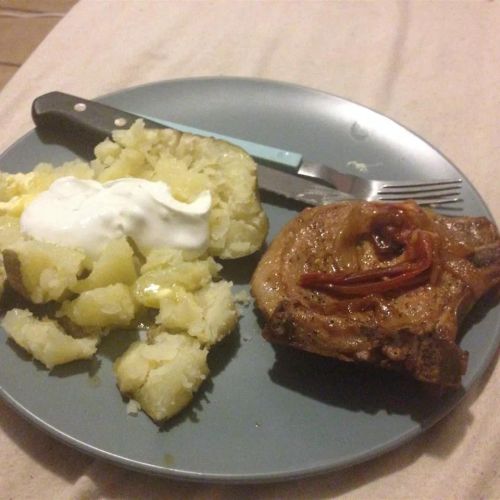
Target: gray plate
267, 413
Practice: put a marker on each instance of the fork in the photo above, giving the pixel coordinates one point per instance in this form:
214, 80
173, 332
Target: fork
435, 192
64, 110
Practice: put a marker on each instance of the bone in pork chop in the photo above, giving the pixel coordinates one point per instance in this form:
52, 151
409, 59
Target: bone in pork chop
386, 284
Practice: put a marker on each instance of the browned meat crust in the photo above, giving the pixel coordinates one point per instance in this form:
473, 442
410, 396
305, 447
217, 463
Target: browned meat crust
377, 283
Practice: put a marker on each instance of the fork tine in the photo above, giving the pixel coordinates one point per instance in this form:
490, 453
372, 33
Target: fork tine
439, 201
420, 184
415, 195
422, 189
424, 192
429, 200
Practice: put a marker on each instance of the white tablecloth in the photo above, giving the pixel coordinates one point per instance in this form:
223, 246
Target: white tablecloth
432, 66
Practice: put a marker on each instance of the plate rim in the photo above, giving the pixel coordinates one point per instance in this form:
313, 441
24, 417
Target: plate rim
260, 478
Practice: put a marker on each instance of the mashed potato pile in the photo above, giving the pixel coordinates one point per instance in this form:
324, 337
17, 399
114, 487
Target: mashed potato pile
70, 301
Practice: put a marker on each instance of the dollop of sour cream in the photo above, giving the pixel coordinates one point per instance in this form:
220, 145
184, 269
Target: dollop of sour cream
86, 214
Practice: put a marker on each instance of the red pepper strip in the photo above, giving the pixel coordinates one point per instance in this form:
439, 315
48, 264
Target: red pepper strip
401, 281
345, 278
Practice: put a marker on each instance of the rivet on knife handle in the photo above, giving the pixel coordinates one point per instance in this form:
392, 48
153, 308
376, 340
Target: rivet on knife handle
57, 110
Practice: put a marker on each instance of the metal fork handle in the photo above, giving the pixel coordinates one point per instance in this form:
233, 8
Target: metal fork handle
342, 182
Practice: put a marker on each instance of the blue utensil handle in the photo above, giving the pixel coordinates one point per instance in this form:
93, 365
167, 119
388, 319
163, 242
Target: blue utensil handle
57, 109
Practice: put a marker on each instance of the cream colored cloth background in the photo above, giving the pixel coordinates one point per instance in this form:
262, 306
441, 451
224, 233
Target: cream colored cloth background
432, 66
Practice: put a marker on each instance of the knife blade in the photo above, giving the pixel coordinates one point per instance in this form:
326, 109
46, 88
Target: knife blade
297, 188
68, 114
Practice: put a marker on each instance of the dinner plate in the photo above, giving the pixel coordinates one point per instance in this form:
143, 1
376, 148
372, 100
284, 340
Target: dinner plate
266, 413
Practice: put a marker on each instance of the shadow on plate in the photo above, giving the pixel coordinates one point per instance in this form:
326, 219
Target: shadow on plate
480, 310
282, 201
222, 353
89, 366
111, 347
240, 271
24, 355
356, 387
367, 388
11, 299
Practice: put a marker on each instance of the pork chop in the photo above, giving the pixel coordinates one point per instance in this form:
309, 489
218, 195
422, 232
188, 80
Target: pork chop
386, 284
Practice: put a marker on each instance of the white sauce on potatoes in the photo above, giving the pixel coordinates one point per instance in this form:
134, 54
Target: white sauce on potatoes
86, 214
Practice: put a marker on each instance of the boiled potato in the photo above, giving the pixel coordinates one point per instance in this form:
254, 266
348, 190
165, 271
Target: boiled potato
45, 340
208, 314
10, 232
185, 184
233, 182
179, 310
150, 142
176, 292
162, 376
13, 185
154, 284
17, 190
106, 307
191, 164
106, 153
115, 265
42, 271
166, 257
128, 163
219, 313
16, 205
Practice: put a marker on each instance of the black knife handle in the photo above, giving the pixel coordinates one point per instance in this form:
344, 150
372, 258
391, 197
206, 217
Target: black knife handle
70, 114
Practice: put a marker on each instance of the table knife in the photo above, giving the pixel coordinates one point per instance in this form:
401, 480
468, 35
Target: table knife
92, 121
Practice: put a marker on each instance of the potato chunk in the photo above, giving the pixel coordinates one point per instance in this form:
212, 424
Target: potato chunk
10, 232
155, 284
109, 306
162, 376
128, 163
115, 265
167, 256
190, 164
18, 190
179, 310
42, 271
219, 313
177, 293
45, 340
208, 314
